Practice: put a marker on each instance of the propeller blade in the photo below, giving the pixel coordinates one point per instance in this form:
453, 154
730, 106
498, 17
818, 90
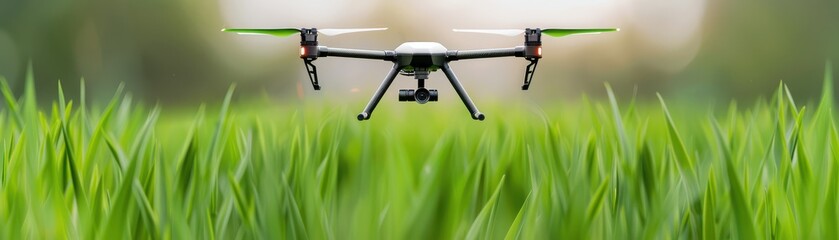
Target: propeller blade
561, 32
279, 32
553, 32
505, 32
339, 31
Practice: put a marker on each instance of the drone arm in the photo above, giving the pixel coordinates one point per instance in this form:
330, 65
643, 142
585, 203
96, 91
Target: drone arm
532, 53
310, 53
356, 53
485, 53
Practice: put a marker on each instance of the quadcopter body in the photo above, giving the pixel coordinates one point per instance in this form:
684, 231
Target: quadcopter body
421, 55
418, 59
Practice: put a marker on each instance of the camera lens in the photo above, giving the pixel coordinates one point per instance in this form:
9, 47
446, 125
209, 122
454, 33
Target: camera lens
422, 95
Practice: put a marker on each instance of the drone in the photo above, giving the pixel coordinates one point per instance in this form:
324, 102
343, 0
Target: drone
418, 59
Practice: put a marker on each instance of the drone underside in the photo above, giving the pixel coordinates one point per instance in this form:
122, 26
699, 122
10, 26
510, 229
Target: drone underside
418, 59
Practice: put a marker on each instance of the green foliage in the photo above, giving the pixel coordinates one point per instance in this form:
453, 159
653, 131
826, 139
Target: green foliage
253, 170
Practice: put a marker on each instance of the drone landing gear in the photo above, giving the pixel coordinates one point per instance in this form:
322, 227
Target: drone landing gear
377, 96
313, 73
473, 110
528, 74
365, 115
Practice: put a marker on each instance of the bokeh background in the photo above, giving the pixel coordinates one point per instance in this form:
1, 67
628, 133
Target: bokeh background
172, 51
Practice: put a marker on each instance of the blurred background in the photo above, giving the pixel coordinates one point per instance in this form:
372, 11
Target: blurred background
172, 51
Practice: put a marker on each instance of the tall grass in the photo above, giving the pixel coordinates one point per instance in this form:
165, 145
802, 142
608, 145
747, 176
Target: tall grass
595, 170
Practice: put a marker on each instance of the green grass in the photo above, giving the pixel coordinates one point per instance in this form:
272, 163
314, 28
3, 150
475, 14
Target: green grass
641, 170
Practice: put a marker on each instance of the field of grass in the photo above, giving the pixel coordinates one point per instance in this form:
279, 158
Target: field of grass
637, 170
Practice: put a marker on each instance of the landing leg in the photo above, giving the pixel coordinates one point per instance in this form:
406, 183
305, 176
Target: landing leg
365, 115
473, 110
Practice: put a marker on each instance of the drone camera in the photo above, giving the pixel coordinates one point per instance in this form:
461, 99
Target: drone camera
419, 95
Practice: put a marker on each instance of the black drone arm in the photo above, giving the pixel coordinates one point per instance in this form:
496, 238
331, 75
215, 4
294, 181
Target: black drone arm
311, 52
356, 53
532, 53
455, 55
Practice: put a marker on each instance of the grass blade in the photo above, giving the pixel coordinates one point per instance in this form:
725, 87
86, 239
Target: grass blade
481, 227
683, 158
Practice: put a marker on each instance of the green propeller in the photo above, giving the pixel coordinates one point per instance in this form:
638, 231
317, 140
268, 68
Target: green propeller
279, 32
286, 32
553, 32
562, 32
